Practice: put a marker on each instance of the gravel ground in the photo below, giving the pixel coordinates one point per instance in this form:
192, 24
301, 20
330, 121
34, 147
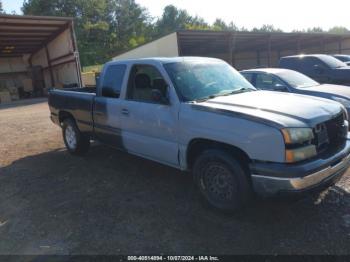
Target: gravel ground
110, 202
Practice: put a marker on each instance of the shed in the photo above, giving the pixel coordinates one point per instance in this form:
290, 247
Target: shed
36, 53
241, 49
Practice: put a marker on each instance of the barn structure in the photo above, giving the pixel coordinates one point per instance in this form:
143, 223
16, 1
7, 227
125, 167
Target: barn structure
242, 49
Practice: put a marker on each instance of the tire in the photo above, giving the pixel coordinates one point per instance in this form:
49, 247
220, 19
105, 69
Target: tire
76, 142
222, 180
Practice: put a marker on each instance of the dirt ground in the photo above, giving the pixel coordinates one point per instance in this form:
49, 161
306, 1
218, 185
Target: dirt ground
110, 202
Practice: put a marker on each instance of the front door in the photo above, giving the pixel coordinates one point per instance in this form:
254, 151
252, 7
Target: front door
149, 126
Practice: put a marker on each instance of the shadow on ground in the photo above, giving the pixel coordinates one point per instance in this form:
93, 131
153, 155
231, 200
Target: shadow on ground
110, 202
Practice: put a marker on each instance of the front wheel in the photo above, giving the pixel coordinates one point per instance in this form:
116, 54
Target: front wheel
222, 180
76, 142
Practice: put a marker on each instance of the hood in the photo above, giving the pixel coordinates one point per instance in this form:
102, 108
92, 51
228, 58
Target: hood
327, 91
281, 109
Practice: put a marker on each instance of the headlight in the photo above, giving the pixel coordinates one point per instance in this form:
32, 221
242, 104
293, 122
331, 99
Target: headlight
343, 101
298, 144
299, 154
297, 135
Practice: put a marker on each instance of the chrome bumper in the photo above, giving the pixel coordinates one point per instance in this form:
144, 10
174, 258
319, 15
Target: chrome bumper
270, 185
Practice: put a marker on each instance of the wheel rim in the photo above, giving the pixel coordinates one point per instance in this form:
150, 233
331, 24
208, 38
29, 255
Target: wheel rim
219, 182
71, 137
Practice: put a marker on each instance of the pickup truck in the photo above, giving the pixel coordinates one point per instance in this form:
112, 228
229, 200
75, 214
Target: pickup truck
201, 115
286, 80
322, 68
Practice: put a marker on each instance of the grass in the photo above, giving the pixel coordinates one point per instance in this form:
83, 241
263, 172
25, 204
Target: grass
94, 68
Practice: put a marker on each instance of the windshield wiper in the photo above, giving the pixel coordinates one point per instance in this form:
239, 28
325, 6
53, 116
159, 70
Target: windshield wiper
241, 90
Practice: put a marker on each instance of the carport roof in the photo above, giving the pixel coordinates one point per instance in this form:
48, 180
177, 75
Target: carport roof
21, 35
192, 41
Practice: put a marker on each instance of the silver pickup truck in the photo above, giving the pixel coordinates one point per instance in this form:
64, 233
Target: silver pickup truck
201, 115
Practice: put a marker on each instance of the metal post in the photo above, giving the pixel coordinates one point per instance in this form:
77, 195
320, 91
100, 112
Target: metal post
258, 62
340, 48
269, 51
322, 45
49, 66
230, 48
298, 45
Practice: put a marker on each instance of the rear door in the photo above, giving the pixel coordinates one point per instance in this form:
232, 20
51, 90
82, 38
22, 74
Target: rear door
150, 127
314, 68
107, 111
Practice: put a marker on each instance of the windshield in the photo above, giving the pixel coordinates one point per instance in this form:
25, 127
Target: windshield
296, 79
343, 58
198, 81
331, 61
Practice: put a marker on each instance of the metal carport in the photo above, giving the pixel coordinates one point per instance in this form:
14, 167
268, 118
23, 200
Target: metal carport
48, 42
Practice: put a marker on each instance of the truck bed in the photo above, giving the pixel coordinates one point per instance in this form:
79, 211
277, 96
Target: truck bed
77, 102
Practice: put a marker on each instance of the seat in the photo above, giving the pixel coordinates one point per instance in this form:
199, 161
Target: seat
142, 88
161, 85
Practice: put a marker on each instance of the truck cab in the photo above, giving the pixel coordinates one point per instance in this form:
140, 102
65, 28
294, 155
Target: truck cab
321, 68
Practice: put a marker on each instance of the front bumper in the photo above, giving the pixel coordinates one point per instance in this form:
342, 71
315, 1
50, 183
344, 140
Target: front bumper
273, 178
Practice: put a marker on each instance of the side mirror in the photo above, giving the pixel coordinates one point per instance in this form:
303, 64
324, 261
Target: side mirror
158, 97
280, 88
109, 92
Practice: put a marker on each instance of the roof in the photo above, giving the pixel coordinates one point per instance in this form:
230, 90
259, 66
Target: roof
193, 41
27, 34
341, 55
266, 70
308, 55
166, 60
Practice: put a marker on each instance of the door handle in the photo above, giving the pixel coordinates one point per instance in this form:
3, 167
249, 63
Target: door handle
125, 111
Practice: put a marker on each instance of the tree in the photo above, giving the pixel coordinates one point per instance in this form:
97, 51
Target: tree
220, 24
267, 28
315, 30
339, 30
1, 10
172, 19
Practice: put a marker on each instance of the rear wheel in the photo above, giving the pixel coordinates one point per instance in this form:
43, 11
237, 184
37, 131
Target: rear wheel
76, 142
222, 180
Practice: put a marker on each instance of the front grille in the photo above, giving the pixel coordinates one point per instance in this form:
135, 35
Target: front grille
331, 134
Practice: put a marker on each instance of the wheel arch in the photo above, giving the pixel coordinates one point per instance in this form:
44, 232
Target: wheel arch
198, 145
62, 115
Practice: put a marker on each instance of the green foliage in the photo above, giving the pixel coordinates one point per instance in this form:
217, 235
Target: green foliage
339, 30
267, 28
1, 10
314, 30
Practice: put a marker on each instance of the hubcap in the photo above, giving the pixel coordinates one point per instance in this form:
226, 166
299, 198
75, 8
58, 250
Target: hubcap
219, 182
71, 138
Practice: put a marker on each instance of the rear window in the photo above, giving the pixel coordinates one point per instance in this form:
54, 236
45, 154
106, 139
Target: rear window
113, 78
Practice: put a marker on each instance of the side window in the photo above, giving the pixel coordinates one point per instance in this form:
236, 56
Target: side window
144, 82
269, 82
310, 62
113, 80
249, 77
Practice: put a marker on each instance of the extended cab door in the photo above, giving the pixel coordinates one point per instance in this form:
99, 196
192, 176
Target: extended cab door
107, 111
314, 68
150, 125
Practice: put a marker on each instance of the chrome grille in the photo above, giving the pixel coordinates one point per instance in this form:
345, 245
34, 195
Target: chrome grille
330, 134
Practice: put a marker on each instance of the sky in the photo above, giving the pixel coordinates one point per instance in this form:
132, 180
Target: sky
287, 15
